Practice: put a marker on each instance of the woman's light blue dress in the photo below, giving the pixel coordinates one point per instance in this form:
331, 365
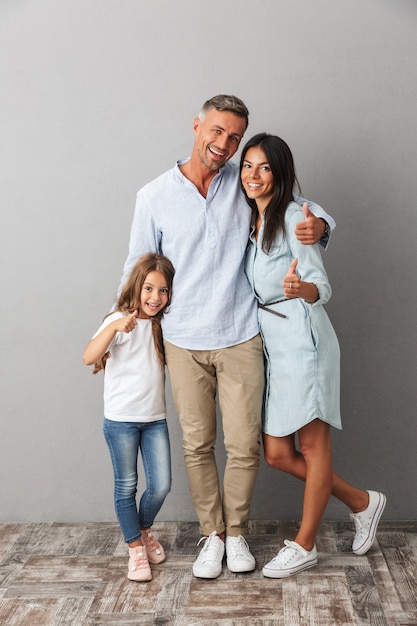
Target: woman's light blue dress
301, 350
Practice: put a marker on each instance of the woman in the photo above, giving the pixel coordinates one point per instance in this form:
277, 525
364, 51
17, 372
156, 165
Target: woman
302, 354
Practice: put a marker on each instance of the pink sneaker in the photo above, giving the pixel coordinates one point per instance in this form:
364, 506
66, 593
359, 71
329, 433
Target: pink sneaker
154, 549
139, 569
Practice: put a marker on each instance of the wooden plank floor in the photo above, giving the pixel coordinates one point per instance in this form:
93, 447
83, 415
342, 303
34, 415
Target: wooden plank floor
75, 575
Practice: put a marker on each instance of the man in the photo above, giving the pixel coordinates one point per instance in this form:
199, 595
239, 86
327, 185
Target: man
197, 216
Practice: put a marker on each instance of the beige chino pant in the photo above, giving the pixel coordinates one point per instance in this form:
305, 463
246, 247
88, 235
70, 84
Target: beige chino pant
237, 374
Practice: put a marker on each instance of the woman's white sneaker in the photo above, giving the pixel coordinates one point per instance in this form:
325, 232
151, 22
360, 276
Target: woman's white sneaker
291, 559
366, 522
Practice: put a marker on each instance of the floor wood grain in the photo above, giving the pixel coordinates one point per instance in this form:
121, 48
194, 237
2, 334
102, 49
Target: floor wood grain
75, 575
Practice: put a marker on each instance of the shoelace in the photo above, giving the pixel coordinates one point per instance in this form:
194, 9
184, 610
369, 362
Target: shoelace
209, 550
238, 548
360, 525
151, 543
140, 561
286, 554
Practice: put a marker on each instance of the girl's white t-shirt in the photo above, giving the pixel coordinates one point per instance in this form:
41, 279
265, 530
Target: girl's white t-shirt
134, 379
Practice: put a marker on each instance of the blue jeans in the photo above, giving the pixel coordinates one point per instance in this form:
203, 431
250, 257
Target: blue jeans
124, 440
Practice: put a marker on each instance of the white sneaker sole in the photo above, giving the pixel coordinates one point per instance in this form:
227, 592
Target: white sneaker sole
239, 569
284, 573
205, 573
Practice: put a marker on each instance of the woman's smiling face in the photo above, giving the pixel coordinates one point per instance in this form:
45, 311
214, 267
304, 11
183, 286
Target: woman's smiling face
257, 178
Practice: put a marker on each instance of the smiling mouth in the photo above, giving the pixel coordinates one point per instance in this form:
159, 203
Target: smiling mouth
215, 153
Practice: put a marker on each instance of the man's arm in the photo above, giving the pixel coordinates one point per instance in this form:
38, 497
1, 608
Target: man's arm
317, 226
144, 236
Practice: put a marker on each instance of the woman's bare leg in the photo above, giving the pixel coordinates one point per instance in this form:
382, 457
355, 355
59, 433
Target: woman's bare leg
315, 447
281, 453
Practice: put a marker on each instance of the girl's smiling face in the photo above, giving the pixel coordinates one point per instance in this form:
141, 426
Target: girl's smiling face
154, 295
257, 178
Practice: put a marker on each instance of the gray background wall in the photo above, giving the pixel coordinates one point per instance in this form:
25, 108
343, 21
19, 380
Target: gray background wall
98, 98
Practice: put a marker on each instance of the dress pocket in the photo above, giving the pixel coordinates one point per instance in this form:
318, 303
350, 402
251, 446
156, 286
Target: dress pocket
271, 260
309, 323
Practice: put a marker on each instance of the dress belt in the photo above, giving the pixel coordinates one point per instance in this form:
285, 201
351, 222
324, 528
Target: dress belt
265, 308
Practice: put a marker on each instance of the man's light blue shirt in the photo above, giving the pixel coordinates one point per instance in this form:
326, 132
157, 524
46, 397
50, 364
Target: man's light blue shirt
213, 305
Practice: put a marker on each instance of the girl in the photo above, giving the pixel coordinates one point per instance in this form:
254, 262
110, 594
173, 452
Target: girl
302, 354
129, 346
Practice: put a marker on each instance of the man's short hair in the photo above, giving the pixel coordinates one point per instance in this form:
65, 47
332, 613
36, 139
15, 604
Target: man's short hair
225, 103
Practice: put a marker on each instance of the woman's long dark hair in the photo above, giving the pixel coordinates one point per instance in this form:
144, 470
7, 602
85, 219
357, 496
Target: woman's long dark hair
282, 167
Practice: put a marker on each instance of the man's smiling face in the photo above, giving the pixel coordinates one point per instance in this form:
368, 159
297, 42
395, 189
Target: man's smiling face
217, 137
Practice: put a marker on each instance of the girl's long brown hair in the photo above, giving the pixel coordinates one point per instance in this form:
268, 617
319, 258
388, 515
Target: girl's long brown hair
129, 299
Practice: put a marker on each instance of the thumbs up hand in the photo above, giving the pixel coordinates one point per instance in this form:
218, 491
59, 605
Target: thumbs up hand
312, 229
127, 323
292, 282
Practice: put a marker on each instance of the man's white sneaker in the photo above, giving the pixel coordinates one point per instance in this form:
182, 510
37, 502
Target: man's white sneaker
366, 522
209, 562
239, 557
291, 559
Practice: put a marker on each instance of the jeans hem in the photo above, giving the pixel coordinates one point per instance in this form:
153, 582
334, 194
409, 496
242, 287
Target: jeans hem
132, 540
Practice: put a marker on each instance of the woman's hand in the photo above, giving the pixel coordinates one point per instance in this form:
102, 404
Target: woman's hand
294, 287
292, 282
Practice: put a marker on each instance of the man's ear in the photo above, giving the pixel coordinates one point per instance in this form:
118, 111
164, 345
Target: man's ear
196, 125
